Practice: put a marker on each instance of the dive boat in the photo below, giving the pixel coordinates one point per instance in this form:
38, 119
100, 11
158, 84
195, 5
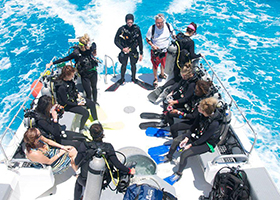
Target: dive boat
119, 112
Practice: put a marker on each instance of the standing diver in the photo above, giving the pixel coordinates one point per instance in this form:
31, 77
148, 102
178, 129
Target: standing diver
86, 64
128, 38
88, 149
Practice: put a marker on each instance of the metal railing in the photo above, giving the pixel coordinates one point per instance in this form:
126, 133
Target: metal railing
16, 115
233, 101
106, 68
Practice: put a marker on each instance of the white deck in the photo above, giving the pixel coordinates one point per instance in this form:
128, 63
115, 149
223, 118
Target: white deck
128, 133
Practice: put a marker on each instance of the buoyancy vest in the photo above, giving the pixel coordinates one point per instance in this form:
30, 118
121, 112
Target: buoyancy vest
183, 54
86, 63
182, 87
71, 91
204, 125
129, 36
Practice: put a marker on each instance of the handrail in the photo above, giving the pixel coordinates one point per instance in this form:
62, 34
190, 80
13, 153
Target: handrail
255, 134
21, 107
113, 64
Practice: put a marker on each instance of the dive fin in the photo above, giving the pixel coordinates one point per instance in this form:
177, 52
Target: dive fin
153, 96
145, 125
159, 159
148, 115
144, 85
172, 179
159, 150
155, 132
113, 87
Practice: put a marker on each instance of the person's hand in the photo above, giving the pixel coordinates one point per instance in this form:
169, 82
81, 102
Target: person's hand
126, 50
174, 111
187, 146
172, 102
154, 47
184, 142
132, 171
54, 113
140, 57
49, 65
67, 148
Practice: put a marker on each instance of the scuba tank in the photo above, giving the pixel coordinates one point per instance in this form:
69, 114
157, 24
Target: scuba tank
170, 59
94, 178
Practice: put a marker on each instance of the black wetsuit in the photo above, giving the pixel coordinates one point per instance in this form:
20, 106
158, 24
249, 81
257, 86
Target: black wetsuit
67, 95
183, 91
83, 161
86, 65
199, 145
49, 127
188, 114
129, 37
186, 47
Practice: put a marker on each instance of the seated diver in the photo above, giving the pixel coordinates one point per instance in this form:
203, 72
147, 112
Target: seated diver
84, 157
180, 92
41, 150
205, 128
70, 99
47, 120
189, 111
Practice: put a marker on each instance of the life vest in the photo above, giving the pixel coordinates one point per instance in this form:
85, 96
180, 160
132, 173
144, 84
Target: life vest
128, 37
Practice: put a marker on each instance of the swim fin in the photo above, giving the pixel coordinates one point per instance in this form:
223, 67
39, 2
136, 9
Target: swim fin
159, 159
155, 132
145, 125
159, 150
144, 85
149, 115
173, 178
115, 86
153, 96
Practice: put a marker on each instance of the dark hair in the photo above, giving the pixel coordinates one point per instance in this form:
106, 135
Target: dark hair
44, 105
204, 86
96, 132
128, 17
29, 138
67, 70
189, 30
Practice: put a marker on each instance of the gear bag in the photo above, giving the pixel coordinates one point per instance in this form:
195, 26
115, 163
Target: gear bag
230, 185
145, 191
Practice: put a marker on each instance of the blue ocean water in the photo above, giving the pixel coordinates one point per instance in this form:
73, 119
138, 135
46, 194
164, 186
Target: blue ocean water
241, 40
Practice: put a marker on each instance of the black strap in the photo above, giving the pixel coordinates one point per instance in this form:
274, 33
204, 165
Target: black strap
154, 27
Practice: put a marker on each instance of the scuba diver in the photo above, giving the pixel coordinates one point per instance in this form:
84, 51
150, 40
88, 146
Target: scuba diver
69, 97
206, 130
180, 92
188, 109
158, 37
127, 39
47, 117
96, 148
86, 64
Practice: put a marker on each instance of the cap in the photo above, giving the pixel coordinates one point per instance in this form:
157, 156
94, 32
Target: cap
128, 17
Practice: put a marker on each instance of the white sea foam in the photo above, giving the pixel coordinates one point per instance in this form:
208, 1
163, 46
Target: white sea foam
179, 6
5, 63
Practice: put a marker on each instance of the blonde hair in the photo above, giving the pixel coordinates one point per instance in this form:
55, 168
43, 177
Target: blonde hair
187, 70
83, 41
208, 105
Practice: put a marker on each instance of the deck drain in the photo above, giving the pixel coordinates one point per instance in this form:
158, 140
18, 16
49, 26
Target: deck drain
129, 109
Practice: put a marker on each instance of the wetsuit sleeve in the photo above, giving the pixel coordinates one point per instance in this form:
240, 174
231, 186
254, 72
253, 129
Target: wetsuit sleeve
67, 58
63, 97
192, 115
191, 50
207, 133
140, 42
118, 39
52, 128
189, 93
115, 161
